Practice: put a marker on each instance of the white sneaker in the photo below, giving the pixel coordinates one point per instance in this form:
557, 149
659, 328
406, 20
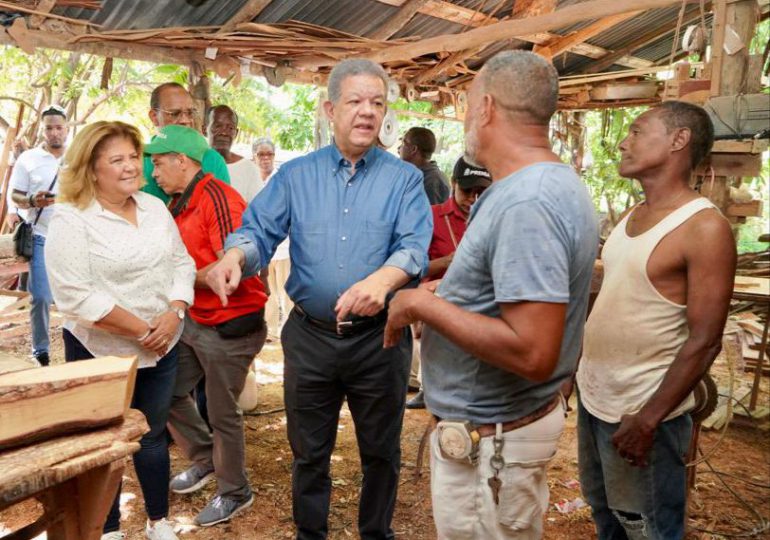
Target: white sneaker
161, 530
114, 535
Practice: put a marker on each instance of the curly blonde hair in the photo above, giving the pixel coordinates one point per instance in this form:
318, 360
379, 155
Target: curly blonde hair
77, 179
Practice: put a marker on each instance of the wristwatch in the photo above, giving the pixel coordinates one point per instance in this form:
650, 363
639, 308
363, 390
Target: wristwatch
179, 312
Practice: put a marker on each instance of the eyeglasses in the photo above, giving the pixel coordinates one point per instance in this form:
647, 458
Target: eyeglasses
176, 114
265, 154
475, 191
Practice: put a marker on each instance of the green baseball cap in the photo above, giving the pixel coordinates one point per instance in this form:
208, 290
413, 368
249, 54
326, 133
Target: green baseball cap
179, 140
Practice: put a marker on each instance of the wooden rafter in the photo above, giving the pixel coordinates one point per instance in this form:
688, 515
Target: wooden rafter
447, 11
468, 17
247, 13
515, 28
565, 43
395, 23
653, 35
530, 8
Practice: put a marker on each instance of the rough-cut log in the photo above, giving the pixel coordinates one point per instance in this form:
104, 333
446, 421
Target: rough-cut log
6, 246
40, 403
26, 471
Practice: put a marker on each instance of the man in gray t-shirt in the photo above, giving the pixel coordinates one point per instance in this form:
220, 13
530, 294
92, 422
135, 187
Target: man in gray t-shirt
503, 330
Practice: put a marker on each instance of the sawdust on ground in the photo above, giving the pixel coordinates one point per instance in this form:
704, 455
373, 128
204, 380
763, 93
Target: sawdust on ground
742, 462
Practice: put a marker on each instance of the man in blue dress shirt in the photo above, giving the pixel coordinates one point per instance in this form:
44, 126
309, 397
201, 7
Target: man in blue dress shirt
359, 224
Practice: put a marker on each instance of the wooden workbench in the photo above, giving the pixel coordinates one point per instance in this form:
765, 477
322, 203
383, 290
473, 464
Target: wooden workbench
75, 477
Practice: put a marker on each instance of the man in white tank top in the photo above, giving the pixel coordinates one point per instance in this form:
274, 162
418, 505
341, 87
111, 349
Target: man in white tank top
654, 331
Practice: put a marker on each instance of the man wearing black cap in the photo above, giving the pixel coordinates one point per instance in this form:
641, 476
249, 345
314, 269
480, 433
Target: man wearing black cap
450, 220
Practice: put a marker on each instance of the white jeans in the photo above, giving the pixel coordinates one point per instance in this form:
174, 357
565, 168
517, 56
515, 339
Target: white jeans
463, 506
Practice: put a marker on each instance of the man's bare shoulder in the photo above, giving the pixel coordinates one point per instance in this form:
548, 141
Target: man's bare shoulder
708, 235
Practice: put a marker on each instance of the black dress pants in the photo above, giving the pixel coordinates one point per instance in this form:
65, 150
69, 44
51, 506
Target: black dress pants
321, 370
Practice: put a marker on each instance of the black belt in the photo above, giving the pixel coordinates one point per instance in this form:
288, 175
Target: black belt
344, 328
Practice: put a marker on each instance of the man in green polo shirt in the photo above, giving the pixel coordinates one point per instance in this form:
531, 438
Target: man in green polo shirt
172, 104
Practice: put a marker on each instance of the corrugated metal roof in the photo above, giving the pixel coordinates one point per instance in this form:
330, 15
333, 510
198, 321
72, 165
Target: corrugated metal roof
362, 17
139, 14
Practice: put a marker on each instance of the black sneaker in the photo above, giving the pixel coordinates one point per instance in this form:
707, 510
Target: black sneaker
43, 359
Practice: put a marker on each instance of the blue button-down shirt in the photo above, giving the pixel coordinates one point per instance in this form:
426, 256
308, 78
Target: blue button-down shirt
341, 227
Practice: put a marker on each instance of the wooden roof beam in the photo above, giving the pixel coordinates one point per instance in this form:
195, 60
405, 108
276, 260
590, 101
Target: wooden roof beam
472, 18
523, 9
653, 35
247, 13
396, 22
564, 44
477, 37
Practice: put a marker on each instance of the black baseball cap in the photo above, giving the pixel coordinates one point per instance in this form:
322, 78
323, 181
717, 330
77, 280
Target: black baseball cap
468, 176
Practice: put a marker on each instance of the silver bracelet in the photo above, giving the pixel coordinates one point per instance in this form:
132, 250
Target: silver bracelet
145, 335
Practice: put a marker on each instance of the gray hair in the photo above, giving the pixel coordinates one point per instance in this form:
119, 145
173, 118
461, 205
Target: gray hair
522, 83
262, 141
350, 68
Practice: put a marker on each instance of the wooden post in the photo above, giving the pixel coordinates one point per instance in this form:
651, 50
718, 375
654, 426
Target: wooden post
734, 24
5, 169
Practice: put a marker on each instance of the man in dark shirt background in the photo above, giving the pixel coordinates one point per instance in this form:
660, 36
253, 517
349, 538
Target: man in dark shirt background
417, 147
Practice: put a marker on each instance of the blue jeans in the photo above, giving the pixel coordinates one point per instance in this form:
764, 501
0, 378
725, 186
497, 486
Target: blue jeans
152, 395
41, 297
634, 503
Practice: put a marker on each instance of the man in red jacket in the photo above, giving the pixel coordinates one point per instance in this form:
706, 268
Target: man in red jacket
218, 342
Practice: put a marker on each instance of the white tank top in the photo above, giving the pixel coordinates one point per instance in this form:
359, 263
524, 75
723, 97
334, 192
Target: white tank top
633, 333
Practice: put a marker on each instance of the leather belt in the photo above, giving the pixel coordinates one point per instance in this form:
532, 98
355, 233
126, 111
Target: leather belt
343, 328
488, 430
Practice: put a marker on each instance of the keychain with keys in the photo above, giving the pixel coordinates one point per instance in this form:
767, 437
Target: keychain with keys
497, 463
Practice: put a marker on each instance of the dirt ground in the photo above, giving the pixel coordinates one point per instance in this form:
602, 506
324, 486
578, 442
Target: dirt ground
731, 500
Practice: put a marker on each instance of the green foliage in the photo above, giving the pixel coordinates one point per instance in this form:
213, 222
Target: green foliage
604, 132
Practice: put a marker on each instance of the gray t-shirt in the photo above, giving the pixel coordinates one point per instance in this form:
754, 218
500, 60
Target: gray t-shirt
531, 237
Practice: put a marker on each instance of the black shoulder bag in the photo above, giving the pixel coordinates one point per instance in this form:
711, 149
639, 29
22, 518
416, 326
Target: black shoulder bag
23, 243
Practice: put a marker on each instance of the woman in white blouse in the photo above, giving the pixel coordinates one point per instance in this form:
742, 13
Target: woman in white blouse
122, 278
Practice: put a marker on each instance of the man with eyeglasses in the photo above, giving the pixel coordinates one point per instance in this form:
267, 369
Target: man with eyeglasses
172, 104
33, 187
417, 147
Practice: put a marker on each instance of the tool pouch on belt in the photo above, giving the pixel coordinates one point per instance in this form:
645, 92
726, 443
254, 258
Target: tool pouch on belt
458, 440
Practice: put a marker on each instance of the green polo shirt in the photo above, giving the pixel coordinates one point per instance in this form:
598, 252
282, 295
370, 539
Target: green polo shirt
213, 163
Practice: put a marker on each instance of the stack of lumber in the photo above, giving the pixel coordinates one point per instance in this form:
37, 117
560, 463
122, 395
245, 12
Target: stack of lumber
760, 417
755, 264
751, 338
37, 404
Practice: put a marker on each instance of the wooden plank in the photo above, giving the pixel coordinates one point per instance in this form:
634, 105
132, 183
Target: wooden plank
511, 29
732, 164
247, 13
746, 209
39, 403
398, 20
748, 146
562, 45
